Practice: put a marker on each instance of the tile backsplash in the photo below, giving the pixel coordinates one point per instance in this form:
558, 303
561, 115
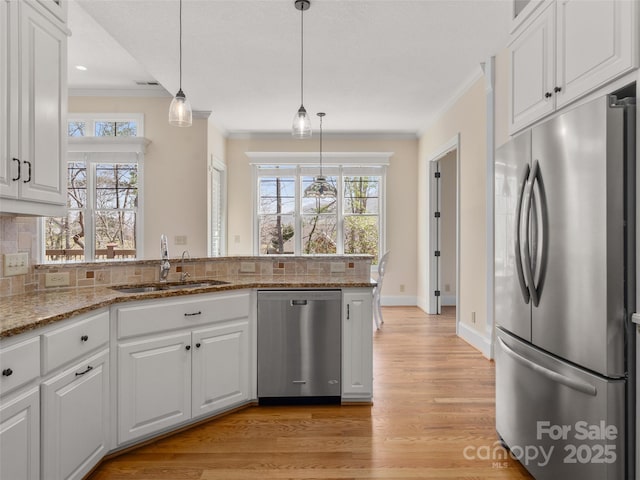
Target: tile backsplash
20, 234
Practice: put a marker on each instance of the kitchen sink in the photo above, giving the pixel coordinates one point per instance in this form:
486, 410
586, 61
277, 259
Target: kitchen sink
157, 287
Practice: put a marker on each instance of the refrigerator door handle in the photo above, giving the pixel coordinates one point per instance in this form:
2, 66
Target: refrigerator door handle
526, 250
518, 222
573, 383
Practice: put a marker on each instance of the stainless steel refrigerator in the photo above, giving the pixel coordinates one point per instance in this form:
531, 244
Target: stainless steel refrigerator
565, 292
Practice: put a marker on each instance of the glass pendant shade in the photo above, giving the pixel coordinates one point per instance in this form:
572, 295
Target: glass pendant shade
301, 124
180, 111
320, 188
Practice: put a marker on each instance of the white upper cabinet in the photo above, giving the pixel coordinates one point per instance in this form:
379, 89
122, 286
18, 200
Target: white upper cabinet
33, 86
565, 50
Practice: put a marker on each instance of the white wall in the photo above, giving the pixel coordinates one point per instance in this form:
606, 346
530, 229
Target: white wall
466, 117
175, 172
402, 191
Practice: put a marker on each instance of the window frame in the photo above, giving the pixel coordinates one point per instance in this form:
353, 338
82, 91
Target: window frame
217, 165
91, 118
103, 150
339, 164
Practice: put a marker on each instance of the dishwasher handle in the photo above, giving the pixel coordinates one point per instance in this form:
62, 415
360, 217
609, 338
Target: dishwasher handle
298, 303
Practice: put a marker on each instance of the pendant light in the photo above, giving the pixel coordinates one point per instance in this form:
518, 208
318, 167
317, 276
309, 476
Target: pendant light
180, 109
320, 188
301, 121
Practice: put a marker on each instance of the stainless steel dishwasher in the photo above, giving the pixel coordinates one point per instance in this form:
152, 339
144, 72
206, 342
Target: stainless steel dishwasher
299, 345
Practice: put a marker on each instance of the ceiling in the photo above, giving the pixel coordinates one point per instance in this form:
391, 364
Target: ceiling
374, 66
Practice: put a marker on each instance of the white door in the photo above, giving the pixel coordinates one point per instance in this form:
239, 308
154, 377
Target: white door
8, 108
595, 45
532, 63
43, 107
20, 436
220, 367
154, 384
75, 414
357, 345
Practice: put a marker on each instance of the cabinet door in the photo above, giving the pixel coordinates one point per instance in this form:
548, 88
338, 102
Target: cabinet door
154, 385
75, 426
532, 63
20, 436
43, 107
8, 106
595, 44
357, 345
220, 367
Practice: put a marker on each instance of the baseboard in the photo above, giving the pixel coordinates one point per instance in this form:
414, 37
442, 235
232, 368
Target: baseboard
475, 339
399, 301
448, 300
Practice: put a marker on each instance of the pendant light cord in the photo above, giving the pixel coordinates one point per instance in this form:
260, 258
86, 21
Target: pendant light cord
301, 56
321, 146
180, 45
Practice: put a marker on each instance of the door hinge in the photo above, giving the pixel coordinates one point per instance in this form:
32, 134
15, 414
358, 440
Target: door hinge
437, 293
437, 253
437, 214
437, 174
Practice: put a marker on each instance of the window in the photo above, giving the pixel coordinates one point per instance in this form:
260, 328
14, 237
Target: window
289, 223
104, 192
217, 208
105, 125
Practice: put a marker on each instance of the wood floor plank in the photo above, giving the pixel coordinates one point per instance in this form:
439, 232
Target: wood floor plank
433, 410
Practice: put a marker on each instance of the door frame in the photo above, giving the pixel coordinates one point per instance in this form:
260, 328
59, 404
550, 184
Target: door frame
433, 273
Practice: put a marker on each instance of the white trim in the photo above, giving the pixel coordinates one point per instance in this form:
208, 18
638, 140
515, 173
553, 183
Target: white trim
453, 99
107, 144
142, 91
344, 135
328, 158
399, 301
489, 70
475, 339
447, 147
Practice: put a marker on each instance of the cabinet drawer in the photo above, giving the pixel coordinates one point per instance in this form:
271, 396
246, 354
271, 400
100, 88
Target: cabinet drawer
20, 363
156, 316
77, 339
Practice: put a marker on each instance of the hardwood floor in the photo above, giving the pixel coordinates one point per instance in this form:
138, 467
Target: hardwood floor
433, 402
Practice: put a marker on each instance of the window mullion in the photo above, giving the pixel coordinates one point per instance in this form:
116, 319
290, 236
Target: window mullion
89, 214
339, 213
298, 213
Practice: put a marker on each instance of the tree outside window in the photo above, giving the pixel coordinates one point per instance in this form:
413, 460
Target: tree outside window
289, 223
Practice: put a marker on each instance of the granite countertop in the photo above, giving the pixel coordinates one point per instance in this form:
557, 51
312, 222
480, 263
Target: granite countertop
28, 311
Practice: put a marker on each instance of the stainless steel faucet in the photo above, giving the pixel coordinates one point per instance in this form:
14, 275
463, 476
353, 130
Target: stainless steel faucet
184, 274
165, 266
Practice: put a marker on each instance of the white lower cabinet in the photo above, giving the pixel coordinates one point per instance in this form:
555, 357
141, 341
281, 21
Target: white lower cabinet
220, 367
75, 419
179, 359
357, 345
154, 384
20, 436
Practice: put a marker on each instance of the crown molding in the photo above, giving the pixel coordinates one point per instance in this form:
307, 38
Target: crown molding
345, 135
146, 91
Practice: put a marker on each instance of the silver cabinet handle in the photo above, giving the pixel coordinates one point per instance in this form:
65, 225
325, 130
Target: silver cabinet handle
299, 382
298, 303
526, 250
518, 222
573, 383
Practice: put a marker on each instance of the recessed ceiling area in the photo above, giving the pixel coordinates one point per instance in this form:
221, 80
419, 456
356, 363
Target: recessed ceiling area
386, 66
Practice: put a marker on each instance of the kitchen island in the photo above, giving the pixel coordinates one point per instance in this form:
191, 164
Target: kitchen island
138, 365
